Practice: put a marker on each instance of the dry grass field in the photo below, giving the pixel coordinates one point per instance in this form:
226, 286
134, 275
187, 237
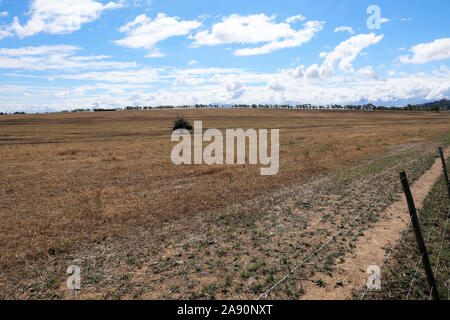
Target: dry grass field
100, 190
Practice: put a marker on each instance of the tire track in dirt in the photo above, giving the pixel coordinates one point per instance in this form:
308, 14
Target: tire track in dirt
370, 249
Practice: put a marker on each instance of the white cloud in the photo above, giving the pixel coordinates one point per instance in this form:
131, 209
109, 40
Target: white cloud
4, 33
251, 29
313, 72
425, 52
368, 72
296, 18
295, 40
228, 86
166, 75
298, 72
59, 17
193, 62
183, 80
155, 54
256, 29
141, 3
236, 89
3, 14
145, 75
56, 57
276, 85
42, 50
145, 33
344, 29
346, 52
384, 20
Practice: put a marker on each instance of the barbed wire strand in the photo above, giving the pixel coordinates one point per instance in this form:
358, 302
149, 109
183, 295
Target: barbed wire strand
387, 257
267, 292
439, 256
430, 232
412, 173
442, 242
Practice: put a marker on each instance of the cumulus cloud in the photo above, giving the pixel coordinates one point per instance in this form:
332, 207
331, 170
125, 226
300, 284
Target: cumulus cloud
295, 40
184, 80
296, 18
251, 29
313, 72
236, 89
59, 17
257, 29
3, 14
346, 52
425, 52
298, 72
344, 29
145, 32
225, 86
368, 72
276, 85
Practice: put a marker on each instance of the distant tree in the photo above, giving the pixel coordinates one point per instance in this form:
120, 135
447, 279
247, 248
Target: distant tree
435, 108
181, 123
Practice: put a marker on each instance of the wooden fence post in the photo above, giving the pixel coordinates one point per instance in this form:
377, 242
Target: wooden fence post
419, 236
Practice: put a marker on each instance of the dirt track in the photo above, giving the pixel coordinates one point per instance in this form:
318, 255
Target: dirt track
370, 249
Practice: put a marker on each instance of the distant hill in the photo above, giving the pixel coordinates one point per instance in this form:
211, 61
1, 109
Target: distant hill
443, 104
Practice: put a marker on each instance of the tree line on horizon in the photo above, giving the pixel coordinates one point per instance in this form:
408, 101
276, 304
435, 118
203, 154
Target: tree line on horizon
438, 106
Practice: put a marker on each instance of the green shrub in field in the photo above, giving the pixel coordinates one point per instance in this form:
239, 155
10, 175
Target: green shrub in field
181, 123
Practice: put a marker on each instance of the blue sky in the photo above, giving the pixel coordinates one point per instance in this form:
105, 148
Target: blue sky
62, 55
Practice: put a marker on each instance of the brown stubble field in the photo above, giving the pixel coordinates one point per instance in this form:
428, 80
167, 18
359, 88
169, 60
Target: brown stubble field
73, 181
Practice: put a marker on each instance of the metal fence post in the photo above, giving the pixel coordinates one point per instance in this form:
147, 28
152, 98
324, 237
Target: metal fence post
419, 236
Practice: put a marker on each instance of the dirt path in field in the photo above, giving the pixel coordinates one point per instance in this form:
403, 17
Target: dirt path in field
371, 248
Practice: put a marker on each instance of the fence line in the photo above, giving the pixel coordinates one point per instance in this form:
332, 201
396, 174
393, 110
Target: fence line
428, 236
398, 241
442, 243
387, 257
342, 230
430, 232
267, 292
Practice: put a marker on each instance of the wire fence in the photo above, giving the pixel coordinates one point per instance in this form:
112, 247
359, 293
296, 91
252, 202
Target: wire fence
347, 228
324, 245
430, 233
433, 289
